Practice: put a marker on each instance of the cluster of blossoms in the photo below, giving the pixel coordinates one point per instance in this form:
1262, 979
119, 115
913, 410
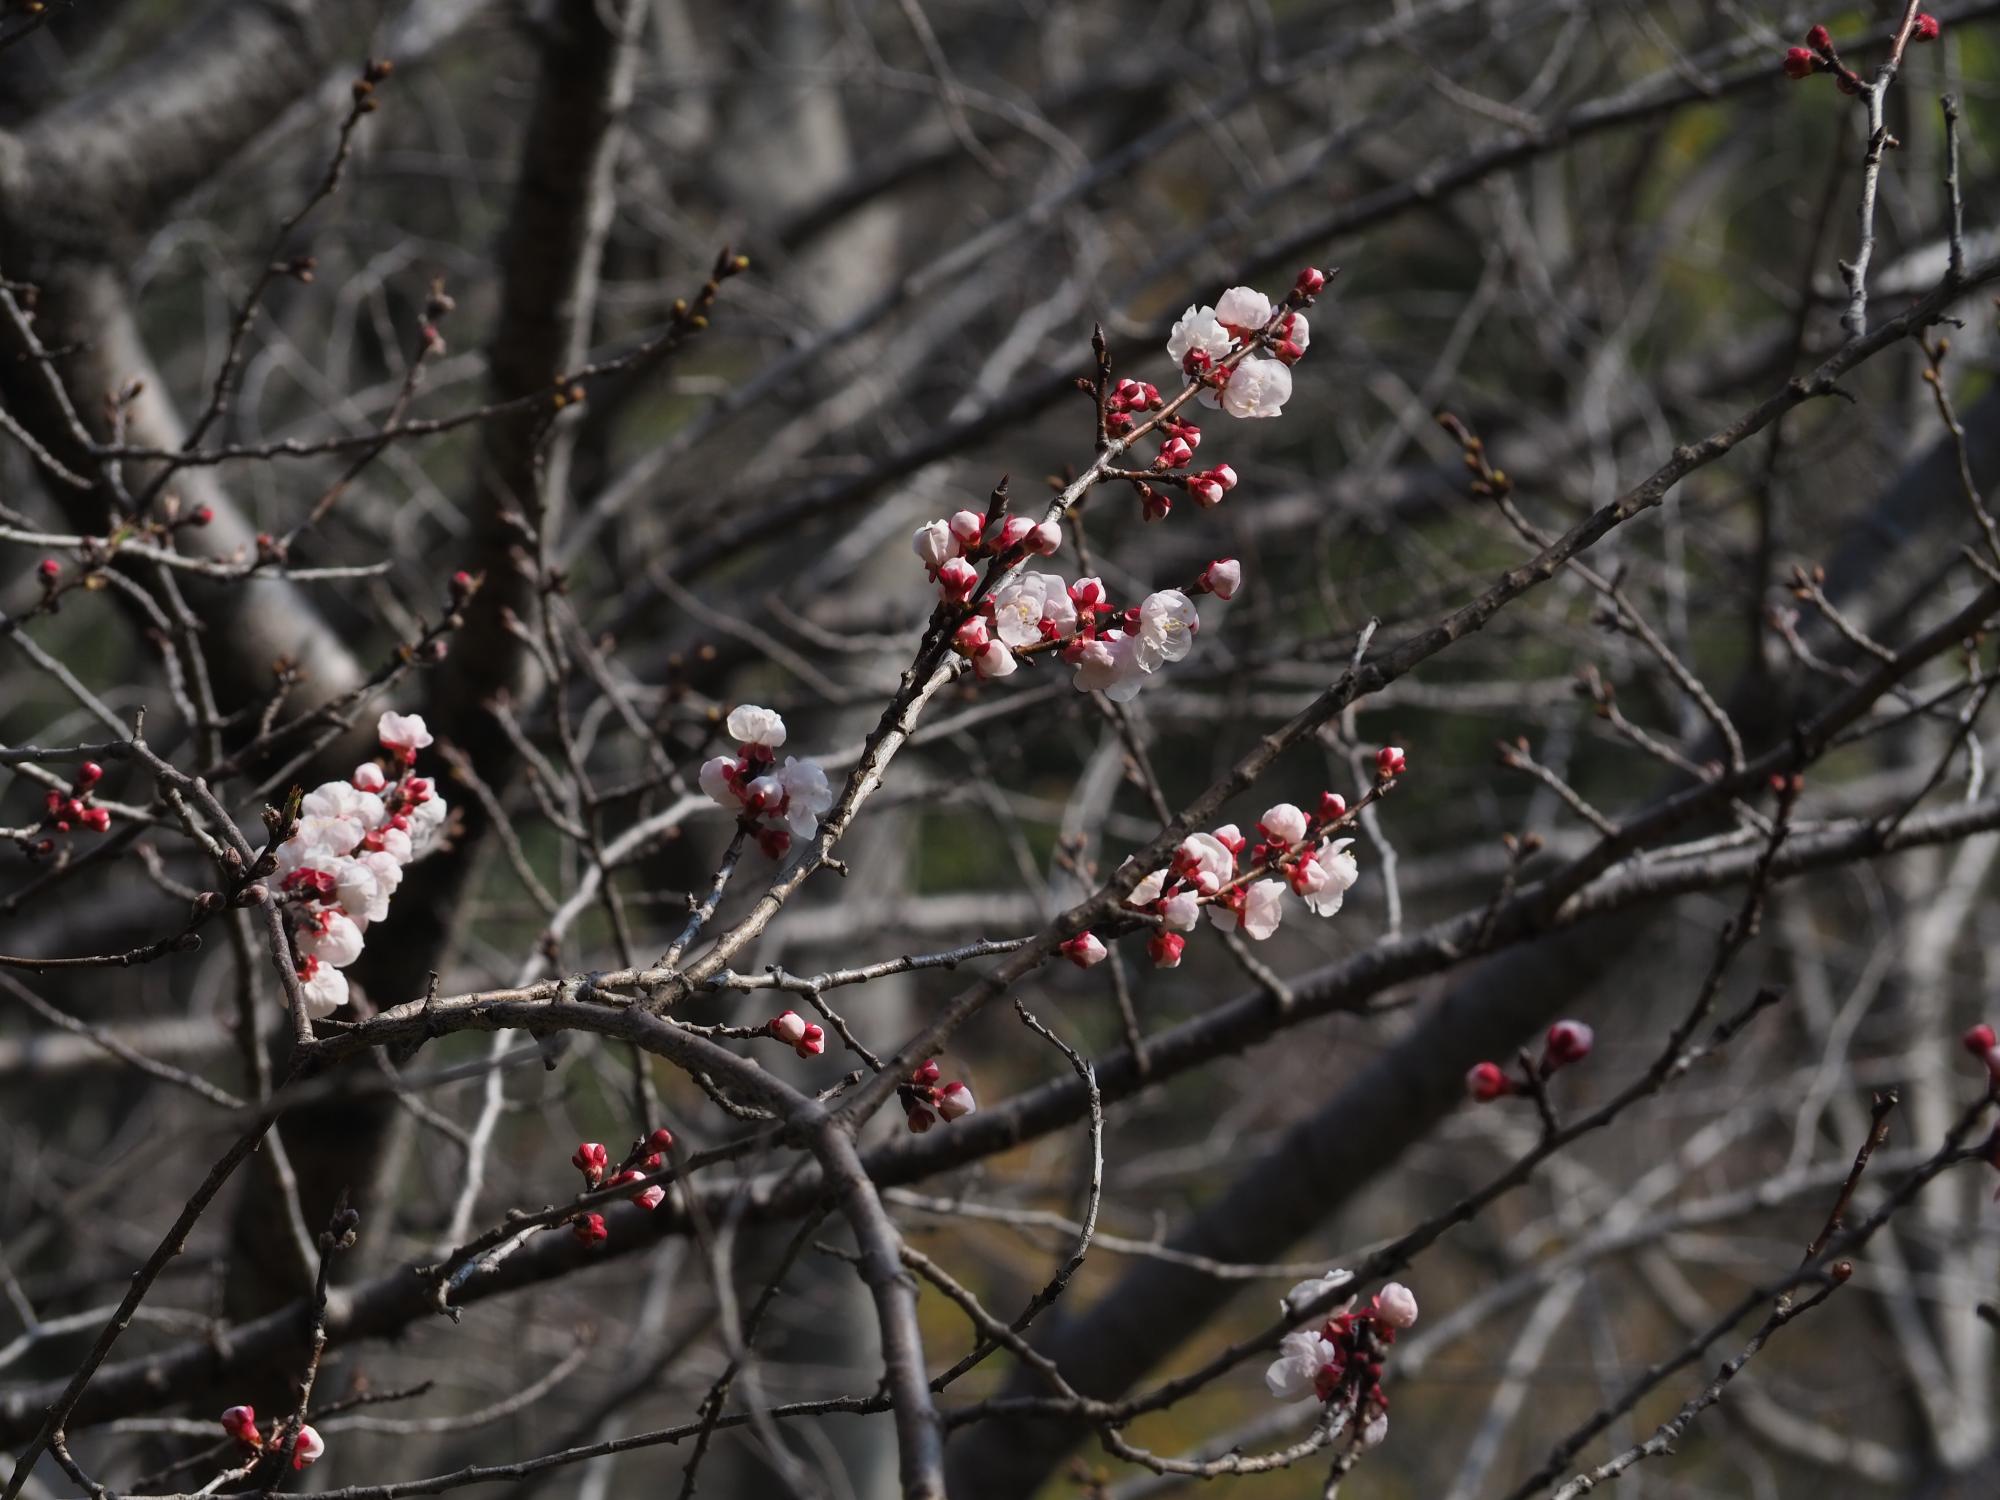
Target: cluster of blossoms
1113, 650
1243, 318
947, 548
1341, 1360
1294, 852
240, 1422
801, 1035
926, 1101
648, 1154
1818, 54
1567, 1042
778, 803
76, 808
345, 857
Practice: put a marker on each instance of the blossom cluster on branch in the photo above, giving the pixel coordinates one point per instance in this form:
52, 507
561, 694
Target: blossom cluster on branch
346, 855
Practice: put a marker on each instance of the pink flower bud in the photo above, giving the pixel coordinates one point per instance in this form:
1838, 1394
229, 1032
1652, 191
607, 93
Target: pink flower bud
307, 1447
971, 638
1979, 1041
660, 1140
788, 1027
1165, 948
240, 1422
1332, 807
1222, 578
1926, 29
1820, 39
967, 526
650, 1198
934, 545
589, 1230
1175, 452
591, 1159
1223, 475
1085, 950
955, 1101
369, 778
1156, 505
1087, 593
927, 1073
1799, 63
956, 580
811, 1043
1485, 1082
994, 660
1390, 761
1396, 1305
1206, 490
1311, 282
1046, 539
1282, 824
1568, 1042
1014, 532
1231, 838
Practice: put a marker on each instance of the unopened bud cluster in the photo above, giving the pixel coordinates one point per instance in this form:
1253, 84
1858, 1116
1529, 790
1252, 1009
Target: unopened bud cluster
240, 1423
647, 1156
926, 1101
1567, 1042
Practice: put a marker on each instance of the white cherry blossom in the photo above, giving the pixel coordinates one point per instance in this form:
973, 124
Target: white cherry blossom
1301, 1356
1167, 623
1342, 871
1243, 310
1198, 329
1257, 388
750, 725
404, 733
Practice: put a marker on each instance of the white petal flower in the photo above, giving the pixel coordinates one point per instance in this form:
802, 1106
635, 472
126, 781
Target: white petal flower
715, 781
1181, 911
1198, 328
995, 661
1376, 1429
955, 1101
1167, 623
1333, 857
750, 725
1243, 309
1300, 1358
1263, 909
1206, 860
1018, 605
332, 937
808, 795
1257, 388
1108, 665
1058, 609
1148, 890
1283, 823
933, 545
325, 990
341, 799
1305, 1293
360, 889
404, 733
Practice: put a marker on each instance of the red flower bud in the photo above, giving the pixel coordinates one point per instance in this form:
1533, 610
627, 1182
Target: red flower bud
1800, 63
591, 1159
1819, 39
1311, 282
590, 1230
1390, 761
1568, 1042
1485, 1082
1926, 29
50, 570
661, 1139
